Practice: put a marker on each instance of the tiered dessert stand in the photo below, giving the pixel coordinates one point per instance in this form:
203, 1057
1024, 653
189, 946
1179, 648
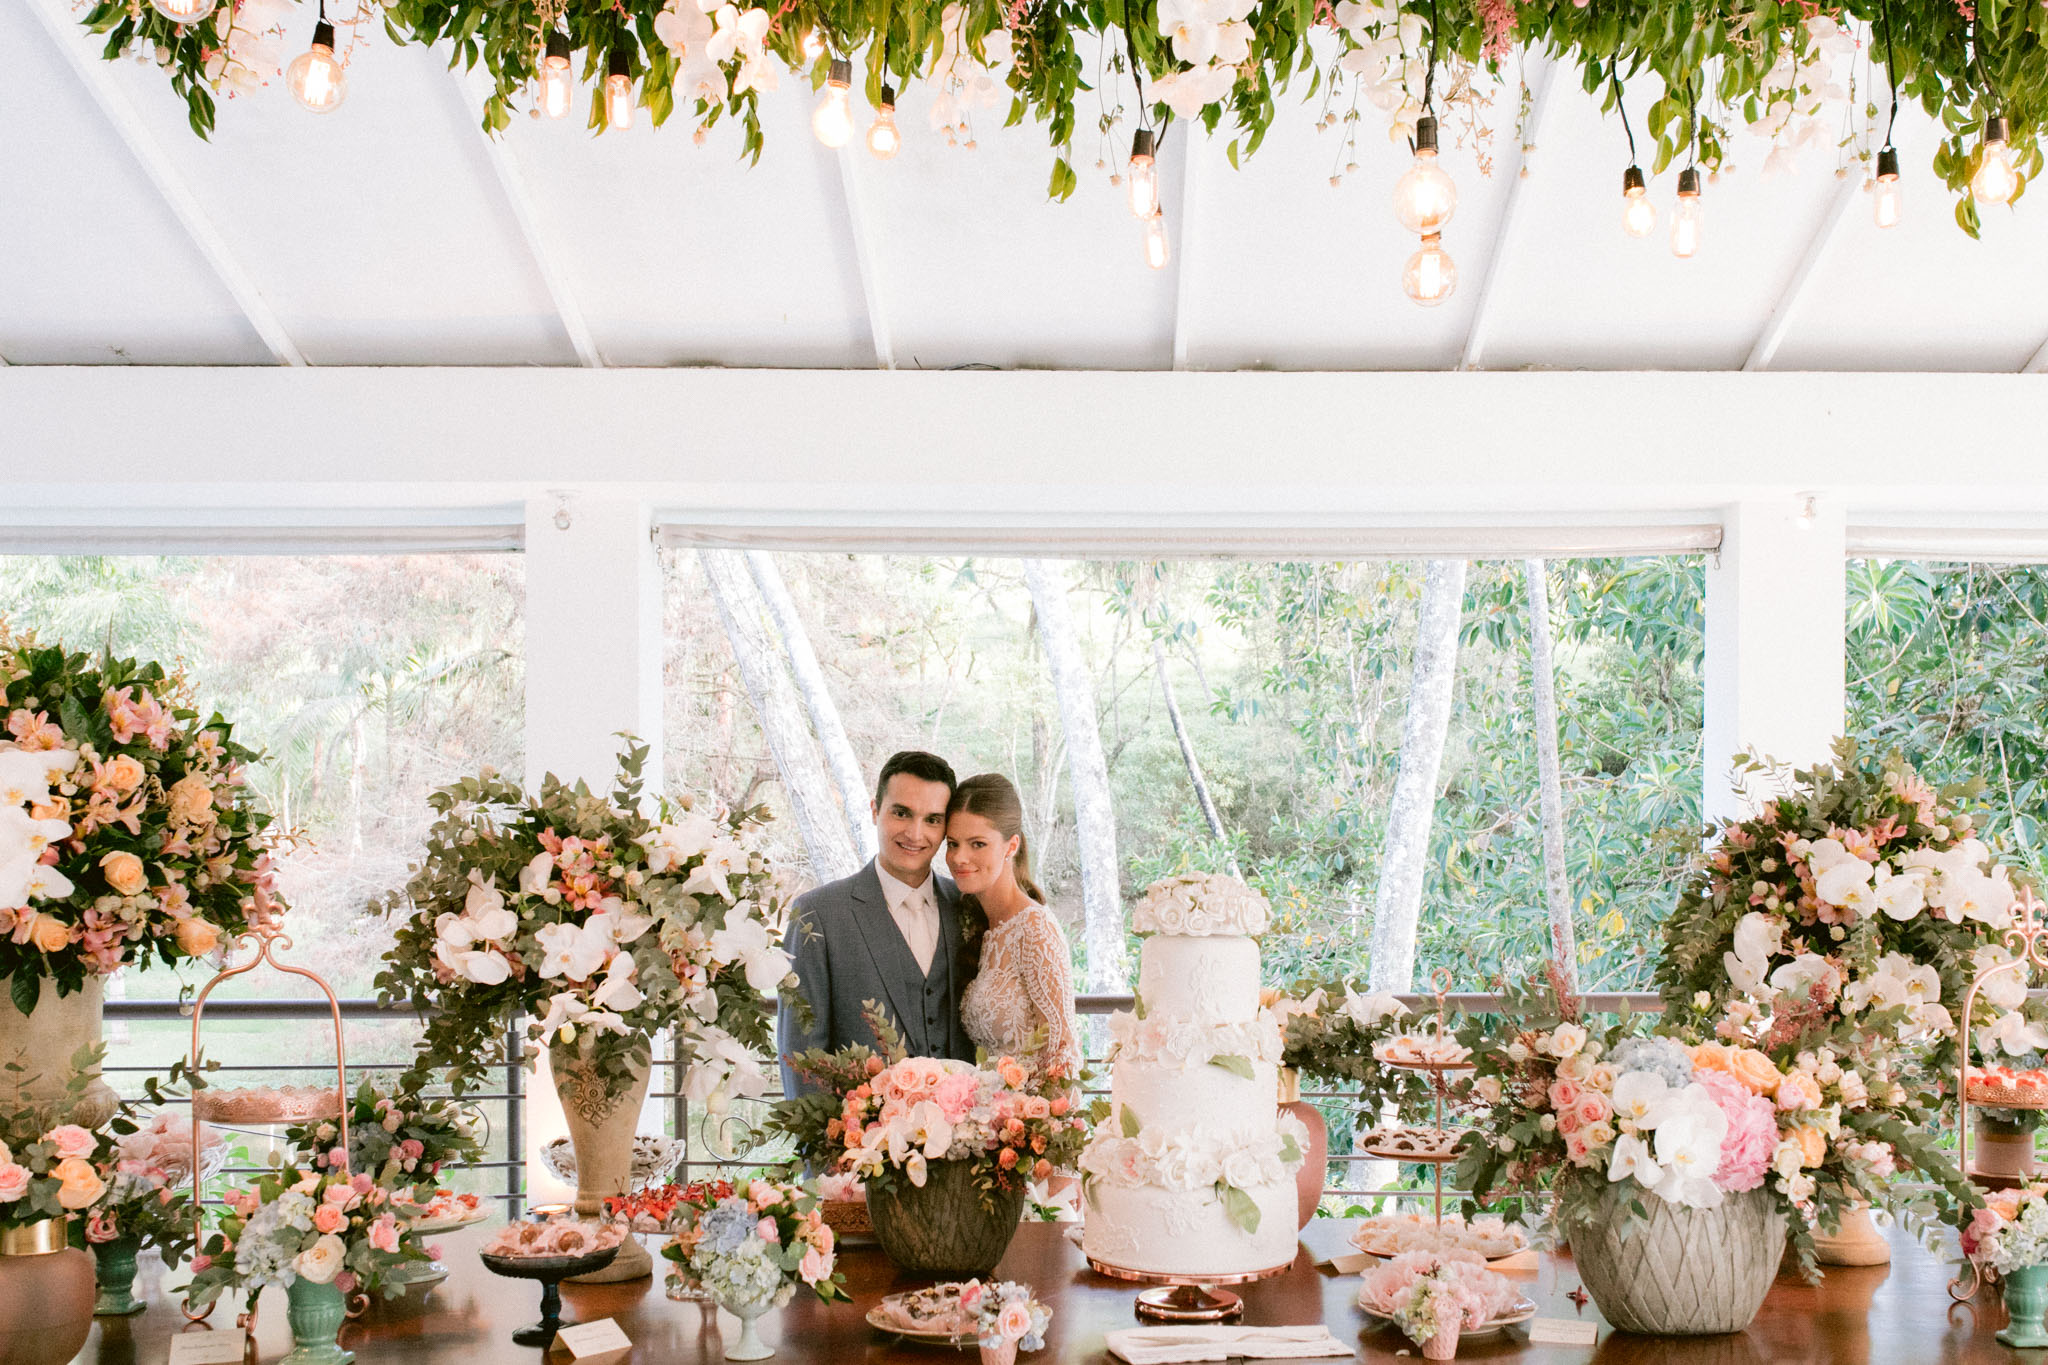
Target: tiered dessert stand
2028, 942
1442, 1147
262, 1106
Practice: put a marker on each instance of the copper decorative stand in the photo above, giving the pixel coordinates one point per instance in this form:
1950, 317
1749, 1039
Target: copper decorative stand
2027, 940
240, 1107
1186, 1298
1441, 1155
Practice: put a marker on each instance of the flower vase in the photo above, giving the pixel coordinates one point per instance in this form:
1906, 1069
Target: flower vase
114, 1269
46, 1294
1681, 1271
1314, 1172
2026, 1299
316, 1312
42, 1042
1005, 1354
1442, 1343
2002, 1149
1855, 1240
602, 1123
944, 1228
748, 1311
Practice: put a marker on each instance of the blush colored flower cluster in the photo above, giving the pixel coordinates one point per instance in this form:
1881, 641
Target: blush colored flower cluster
925, 1109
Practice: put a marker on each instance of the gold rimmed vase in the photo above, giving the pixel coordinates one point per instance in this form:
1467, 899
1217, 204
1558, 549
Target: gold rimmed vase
47, 1288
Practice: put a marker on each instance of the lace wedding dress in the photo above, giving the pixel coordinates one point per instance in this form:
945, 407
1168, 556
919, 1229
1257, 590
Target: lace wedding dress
1025, 987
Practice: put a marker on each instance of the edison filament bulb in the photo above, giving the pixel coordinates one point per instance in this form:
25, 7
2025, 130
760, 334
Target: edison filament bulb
557, 81
1685, 219
1885, 192
1426, 196
1995, 181
1638, 214
832, 120
884, 141
1156, 253
315, 77
618, 93
1430, 276
1143, 176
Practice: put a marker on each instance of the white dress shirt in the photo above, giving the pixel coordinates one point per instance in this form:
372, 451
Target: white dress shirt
916, 913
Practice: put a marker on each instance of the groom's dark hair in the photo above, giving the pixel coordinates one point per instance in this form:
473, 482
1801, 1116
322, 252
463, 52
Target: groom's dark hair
918, 764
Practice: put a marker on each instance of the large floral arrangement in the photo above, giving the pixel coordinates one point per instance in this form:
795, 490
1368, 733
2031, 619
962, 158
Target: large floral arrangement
400, 1136
50, 1168
324, 1226
1783, 71
744, 1246
127, 834
599, 923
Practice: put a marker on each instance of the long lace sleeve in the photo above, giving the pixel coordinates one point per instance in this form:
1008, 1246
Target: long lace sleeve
1048, 977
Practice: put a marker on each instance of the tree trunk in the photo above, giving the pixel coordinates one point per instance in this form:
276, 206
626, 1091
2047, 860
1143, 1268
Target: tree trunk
1187, 751
789, 740
1405, 855
810, 680
1094, 820
1543, 680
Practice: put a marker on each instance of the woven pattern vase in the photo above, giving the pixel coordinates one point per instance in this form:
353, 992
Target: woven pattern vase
945, 1229
1683, 1272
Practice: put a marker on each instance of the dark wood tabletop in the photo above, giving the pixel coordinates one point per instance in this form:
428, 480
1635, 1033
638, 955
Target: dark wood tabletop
1890, 1315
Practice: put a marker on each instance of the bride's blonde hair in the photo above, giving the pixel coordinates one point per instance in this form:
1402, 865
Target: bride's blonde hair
992, 797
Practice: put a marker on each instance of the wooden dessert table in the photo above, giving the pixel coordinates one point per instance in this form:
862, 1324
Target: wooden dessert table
1890, 1315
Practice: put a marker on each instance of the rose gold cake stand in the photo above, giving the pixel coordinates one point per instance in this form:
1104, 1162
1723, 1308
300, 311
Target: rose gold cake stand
1186, 1298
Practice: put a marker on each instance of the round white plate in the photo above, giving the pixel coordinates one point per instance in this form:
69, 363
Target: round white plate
470, 1219
1523, 1310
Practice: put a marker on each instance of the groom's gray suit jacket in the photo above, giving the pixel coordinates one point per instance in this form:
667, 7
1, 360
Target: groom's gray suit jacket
848, 950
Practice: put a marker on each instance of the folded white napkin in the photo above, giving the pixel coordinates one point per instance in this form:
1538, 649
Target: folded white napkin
1169, 1345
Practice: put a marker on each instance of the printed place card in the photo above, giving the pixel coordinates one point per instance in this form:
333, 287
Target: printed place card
1562, 1332
1350, 1264
587, 1343
1522, 1262
209, 1348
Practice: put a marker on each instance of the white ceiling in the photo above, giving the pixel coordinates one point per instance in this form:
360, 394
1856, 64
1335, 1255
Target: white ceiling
392, 233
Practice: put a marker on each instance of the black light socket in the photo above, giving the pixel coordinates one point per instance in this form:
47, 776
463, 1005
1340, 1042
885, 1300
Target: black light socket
840, 73
1996, 129
1632, 182
323, 34
558, 46
1141, 144
1689, 181
1425, 134
1888, 163
888, 97
620, 64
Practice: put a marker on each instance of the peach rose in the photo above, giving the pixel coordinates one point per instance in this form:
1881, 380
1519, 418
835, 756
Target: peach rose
1754, 1070
1712, 1056
1798, 1091
192, 801
1813, 1144
125, 873
124, 774
81, 1184
49, 933
329, 1218
196, 936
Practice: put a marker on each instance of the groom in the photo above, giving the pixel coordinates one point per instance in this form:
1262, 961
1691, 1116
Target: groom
889, 933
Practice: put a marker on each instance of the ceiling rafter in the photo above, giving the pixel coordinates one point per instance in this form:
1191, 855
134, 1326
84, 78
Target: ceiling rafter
474, 91
2039, 364
1480, 332
97, 76
1847, 191
860, 223
1198, 150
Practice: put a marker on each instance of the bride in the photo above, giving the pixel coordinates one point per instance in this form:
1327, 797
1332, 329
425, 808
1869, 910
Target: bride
1023, 993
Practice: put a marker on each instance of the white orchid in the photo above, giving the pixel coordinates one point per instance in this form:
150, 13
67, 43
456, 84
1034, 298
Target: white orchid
1758, 936
1746, 973
535, 876
684, 28
963, 81
2007, 990
574, 951
617, 991
25, 775
1803, 972
1187, 93
24, 836
724, 1067
724, 859
1688, 1146
671, 845
740, 35
1846, 884
1633, 1160
2015, 1033
484, 908
1900, 895
566, 1009
1641, 1097
924, 1128
1367, 1010
746, 939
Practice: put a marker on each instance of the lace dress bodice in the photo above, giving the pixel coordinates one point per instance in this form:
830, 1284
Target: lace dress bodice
1025, 987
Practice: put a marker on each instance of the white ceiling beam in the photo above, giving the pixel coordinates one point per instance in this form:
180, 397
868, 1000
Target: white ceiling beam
860, 222
1198, 152
1847, 191
97, 75
1481, 330
474, 90
2039, 364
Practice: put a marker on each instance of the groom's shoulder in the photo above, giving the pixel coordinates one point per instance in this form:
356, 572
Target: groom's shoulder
822, 901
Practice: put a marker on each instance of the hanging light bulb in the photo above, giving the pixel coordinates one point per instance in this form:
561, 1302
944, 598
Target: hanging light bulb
557, 81
315, 78
1155, 240
832, 120
1886, 193
1685, 219
618, 92
1638, 214
183, 11
1994, 182
1425, 197
884, 141
1430, 276
1143, 176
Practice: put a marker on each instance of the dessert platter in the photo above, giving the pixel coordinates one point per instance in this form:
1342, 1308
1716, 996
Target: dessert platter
654, 1159
447, 1211
551, 1251
2006, 1088
266, 1104
931, 1316
1407, 1142
1391, 1234
1433, 1051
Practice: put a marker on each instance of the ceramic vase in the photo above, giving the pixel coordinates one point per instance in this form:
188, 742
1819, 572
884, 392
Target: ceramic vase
316, 1312
1855, 1240
945, 1229
114, 1270
1681, 1272
1442, 1343
601, 1127
2026, 1299
1314, 1172
42, 1042
2002, 1149
46, 1294
1005, 1354
748, 1311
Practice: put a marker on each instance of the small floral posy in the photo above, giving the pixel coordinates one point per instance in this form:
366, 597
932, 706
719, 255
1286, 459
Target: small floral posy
1005, 1312
50, 1168
323, 1226
755, 1242
401, 1137
2011, 1231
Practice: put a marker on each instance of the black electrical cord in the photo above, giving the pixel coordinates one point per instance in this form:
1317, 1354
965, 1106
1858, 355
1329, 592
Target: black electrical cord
1614, 79
1891, 71
1429, 74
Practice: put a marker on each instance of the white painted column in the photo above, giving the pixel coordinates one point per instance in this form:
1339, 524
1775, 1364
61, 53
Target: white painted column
593, 669
1776, 608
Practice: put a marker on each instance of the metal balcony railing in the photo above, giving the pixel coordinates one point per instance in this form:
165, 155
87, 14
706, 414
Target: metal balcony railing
715, 1145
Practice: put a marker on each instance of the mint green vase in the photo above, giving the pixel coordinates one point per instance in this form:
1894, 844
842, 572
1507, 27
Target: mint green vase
316, 1314
114, 1272
2026, 1299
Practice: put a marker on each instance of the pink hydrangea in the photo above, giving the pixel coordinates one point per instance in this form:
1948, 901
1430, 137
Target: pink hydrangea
1752, 1131
956, 1094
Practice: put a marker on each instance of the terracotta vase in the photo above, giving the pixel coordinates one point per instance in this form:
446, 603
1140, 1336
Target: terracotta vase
1314, 1172
1005, 1354
601, 1128
2000, 1149
1856, 1241
42, 1041
46, 1294
1442, 1343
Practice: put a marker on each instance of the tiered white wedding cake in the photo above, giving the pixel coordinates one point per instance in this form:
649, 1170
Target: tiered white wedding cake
1192, 1172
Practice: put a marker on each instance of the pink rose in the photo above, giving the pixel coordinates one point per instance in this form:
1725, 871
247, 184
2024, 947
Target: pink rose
761, 1194
339, 1195
384, 1233
816, 1266
1576, 1147
13, 1182
1565, 1094
200, 1263
345, 1281
70, 1140
329, 1218
412, 1149
1592, 1108
767, 1231
1568, 1121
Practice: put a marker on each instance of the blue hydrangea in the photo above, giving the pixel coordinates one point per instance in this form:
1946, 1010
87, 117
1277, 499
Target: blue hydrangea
1661, 1056
261, 1258
729, 1226
294, 1210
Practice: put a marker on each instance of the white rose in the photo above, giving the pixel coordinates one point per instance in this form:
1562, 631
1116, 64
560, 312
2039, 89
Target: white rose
1566, 1040
1487, 1088
1243, 1169
320, 1262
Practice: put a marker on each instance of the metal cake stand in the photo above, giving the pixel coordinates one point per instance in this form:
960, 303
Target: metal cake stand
1186, 1298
